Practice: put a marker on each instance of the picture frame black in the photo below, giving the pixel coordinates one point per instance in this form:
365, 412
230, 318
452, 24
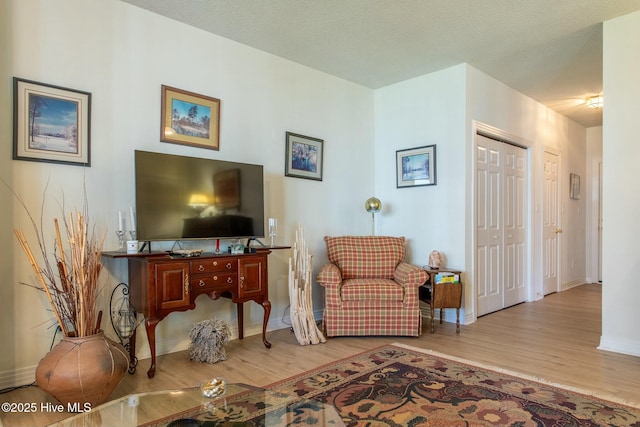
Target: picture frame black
416, 167
51, 123
303, 156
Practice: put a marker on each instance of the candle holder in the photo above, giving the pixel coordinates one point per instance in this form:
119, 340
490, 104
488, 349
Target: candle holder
133, 234
121, 246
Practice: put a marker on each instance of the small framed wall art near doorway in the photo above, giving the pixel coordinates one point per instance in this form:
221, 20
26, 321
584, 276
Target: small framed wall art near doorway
574, 186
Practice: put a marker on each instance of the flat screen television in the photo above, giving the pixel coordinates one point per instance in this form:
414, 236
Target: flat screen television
187, 198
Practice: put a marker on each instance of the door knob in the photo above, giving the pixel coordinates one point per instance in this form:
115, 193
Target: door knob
558, 230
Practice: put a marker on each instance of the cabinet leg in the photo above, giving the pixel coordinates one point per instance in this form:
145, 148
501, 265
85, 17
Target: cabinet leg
240, 309
457, 320
433, 314
133, 361
441, 315
151, 334
267, 311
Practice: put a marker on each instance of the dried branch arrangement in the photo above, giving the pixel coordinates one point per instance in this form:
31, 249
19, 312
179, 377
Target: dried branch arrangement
68, 274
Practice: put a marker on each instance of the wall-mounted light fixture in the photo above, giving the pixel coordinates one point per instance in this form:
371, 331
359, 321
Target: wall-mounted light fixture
596, 101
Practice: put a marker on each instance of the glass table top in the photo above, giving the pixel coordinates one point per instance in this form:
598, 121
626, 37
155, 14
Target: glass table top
242, 405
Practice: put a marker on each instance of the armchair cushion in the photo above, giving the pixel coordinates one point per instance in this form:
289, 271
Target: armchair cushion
364, 257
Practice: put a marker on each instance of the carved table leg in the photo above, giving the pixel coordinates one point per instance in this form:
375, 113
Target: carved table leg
457, 320
133, 361
267, 311
240, 307
151, 335
433, 314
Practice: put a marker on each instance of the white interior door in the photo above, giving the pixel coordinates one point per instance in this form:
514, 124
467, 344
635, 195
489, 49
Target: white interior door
501, 221
550, 223
600, 222
515, 219
488, 225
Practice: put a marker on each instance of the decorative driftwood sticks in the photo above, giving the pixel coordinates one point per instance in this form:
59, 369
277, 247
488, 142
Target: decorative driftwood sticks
301, 311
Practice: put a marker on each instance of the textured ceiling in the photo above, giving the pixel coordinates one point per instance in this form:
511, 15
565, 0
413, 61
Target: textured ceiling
549, 50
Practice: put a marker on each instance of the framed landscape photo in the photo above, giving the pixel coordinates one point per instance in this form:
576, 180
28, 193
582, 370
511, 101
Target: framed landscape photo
190, 119
416, 167
51, 123
303, 157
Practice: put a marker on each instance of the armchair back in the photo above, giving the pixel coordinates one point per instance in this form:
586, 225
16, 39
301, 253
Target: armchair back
363, 257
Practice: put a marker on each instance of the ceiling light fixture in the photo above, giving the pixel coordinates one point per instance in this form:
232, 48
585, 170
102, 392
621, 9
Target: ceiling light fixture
596, 101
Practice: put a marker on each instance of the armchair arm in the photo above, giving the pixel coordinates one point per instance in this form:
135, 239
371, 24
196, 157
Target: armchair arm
410, 275
329, 275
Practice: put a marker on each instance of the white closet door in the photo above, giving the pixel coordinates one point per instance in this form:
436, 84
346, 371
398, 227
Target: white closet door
501, 220
515, 217
489, 225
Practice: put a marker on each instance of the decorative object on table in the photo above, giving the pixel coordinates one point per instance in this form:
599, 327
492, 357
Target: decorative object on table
416, 166
214, 388
373, 206
51, 123
303, 157
86, 366
300, 289
574, 186
123, 319
435, 260
189, 118
273, 229
208, 339
236, 248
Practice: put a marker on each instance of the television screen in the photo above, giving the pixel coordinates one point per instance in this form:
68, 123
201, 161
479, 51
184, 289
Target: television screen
185, 198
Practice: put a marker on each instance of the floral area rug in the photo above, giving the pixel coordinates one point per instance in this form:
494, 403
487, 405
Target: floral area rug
397, 385
402, 386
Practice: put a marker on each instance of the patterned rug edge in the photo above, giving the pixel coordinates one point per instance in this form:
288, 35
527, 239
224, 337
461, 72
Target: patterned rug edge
582, 391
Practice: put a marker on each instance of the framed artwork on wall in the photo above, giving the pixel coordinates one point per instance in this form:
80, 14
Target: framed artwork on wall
51, 123
416, 166
189, 118
574, 186
303, 157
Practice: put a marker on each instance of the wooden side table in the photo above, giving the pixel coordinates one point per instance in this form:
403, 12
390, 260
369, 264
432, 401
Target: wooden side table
442, 295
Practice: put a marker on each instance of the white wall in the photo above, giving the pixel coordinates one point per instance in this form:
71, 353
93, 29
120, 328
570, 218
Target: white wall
441, 108
122, 55
592, 198
621, 204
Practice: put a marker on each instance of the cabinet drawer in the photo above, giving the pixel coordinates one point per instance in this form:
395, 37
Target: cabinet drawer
212, 281
214, 265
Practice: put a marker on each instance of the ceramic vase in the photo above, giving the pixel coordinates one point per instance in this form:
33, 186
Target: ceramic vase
83, 371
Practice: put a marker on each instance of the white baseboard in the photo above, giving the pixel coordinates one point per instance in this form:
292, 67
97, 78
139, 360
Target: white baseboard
18, 377
620, 346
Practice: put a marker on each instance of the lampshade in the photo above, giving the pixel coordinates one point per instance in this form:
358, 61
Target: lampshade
198, 200
595, 101
373, 205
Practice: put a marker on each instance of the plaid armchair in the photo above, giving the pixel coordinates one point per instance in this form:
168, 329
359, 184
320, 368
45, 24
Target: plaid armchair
369, 289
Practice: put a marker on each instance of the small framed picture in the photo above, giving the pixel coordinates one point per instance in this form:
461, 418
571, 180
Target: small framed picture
190, 119
303, 157
416, 166
574, 186
51, 123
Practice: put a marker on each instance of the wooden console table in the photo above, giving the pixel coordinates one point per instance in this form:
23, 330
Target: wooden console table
442, 295
160, 284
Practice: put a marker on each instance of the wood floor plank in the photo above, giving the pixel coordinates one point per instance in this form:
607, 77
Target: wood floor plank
554, 339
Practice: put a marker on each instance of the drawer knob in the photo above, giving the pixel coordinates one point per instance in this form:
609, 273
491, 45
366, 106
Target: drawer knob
215, 278
201, 267
201, 283
229, 280
229, 266
215, 263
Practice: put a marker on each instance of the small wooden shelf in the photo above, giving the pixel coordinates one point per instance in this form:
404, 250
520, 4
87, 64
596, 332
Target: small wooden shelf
442, 295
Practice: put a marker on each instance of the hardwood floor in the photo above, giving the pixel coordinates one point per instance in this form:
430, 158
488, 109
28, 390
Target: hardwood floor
554, 339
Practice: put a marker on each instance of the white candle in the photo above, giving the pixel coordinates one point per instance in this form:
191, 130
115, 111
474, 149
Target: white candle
133, 219
120, 221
